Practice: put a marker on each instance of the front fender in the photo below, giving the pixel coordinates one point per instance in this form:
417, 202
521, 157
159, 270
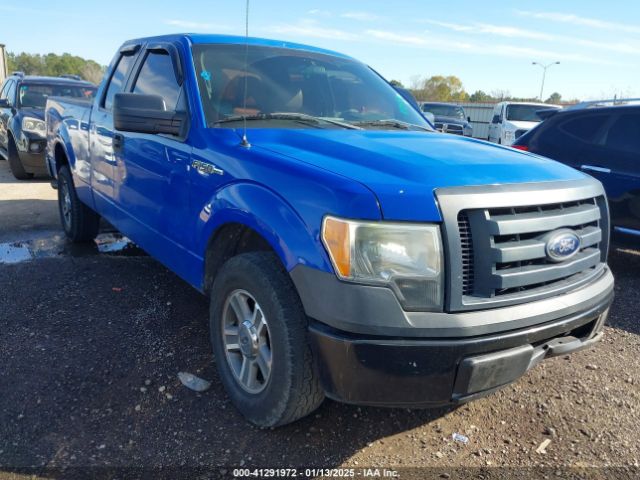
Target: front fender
269, 215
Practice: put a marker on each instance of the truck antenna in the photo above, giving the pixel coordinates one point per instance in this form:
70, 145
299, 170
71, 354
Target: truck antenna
245, 143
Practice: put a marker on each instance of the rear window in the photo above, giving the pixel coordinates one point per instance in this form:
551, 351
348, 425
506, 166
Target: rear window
624, 133
524, 113
585, 127
33, 95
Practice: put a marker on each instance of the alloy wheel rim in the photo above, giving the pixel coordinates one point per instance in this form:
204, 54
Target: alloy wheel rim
247, 341
66, 203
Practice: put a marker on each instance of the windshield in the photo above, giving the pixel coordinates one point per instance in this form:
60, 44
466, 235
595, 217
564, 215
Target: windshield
336, 92
452, 111
525, 113
35, 95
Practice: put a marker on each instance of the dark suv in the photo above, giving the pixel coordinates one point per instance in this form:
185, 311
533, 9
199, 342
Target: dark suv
603, 140
22, 128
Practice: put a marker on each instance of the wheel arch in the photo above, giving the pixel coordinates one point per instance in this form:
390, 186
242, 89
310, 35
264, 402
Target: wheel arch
246, 217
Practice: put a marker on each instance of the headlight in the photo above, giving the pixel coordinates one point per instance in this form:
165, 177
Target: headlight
33, 125
406, 257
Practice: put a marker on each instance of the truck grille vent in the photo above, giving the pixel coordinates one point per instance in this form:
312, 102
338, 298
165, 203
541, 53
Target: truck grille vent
466, 245
504, 249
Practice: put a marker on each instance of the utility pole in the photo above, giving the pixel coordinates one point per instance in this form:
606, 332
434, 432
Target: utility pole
3, 63
544, 73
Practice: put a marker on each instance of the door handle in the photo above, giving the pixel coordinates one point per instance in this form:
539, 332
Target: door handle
595, 168
118, 141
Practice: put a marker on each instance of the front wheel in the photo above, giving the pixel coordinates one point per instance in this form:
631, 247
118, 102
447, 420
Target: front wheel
80, 223
15, 164
258, 332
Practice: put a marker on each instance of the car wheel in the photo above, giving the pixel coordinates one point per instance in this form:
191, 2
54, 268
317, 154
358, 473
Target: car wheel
499, 141
80, 223
258, 331
15, 164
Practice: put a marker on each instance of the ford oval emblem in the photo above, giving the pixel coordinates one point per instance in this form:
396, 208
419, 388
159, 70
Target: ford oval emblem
562, 245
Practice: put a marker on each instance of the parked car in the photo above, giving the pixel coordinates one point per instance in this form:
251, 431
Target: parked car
449, 118
511, 120
603, 141
347, 249
22, 130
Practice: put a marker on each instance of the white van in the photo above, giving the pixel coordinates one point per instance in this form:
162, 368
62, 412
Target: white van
512, 119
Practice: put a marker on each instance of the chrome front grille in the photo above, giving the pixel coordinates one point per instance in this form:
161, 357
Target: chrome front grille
497, 238
515, 259
449, 128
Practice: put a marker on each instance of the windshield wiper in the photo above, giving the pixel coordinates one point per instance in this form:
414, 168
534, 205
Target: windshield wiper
298, 117
392, 122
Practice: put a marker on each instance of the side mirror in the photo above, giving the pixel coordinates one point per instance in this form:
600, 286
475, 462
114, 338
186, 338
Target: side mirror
496, 119
4, 103
133, 112
469, 119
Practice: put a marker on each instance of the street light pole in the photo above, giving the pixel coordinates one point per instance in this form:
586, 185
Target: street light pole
544, 73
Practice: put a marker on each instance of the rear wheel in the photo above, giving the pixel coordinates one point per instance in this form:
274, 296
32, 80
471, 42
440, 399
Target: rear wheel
15, 164
80, 223
258, 331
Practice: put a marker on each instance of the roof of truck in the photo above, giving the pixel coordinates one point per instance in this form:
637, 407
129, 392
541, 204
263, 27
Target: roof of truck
199, 38
51, 80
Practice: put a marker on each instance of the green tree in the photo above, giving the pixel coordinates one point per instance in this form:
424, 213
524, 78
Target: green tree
55, 65
439, 88
445, 89
555, 97
396, 83
480, 97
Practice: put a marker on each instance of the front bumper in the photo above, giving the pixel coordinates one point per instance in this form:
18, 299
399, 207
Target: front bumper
31, 151
369, 351
403, 372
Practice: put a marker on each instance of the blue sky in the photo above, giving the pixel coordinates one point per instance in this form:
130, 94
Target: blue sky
490, 45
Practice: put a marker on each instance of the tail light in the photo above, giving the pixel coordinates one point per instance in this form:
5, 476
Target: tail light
521, 147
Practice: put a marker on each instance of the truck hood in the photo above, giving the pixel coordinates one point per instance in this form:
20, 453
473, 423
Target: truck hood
403, 168
33, 112
451, 120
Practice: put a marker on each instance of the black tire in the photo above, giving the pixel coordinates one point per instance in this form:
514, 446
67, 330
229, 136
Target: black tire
14, 162
292, 390
80, 223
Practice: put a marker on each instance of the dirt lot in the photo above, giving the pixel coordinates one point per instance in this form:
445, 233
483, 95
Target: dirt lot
91, 344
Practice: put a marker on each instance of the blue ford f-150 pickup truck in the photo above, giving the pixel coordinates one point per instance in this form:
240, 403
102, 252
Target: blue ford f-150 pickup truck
348, 250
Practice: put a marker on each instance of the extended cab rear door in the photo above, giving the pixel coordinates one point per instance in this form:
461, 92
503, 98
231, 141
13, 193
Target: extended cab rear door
101, 132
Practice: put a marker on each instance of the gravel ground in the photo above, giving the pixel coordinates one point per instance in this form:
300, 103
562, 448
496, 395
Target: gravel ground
91, 344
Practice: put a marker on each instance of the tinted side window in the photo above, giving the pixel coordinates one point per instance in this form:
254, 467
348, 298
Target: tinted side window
585, 127
624, 134
157, 77
119, 77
